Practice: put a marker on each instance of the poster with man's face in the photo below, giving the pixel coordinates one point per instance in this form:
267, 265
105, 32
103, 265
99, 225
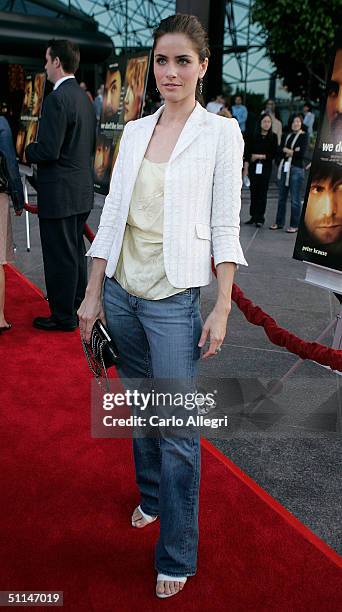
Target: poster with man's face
112, 95
123, 97
331, 133
319, 238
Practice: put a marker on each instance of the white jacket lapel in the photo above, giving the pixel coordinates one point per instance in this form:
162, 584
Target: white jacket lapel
190, 131
142, 135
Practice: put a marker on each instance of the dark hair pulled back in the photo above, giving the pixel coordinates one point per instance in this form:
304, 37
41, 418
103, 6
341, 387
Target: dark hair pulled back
191, 26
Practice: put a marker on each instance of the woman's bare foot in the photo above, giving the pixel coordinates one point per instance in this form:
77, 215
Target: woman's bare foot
140, 519
167, 588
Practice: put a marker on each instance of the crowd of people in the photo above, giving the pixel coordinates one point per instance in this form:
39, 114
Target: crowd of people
268, 144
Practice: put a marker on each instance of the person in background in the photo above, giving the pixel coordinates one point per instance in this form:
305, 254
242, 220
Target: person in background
10, 187
225, 112
84, 86
98, 103
240, 113
277, 126
260, 150
65, 188
226, 109
214, 106
291, 174
309, 118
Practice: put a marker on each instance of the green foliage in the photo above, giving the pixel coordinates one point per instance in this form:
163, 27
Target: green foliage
299, 38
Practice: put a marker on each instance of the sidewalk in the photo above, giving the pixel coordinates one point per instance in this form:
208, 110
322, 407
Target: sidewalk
290, 443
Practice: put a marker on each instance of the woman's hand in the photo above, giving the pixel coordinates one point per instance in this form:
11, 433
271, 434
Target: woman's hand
90, 310
216, 326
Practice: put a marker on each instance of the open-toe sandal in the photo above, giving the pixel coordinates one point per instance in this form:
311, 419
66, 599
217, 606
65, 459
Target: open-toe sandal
165, 578
145, 517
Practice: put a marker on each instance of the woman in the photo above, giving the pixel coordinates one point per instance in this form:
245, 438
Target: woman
175, 192
260, 151
10, 175
291, 174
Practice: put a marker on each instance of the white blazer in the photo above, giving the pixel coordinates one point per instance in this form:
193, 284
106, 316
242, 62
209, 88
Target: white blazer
202, 197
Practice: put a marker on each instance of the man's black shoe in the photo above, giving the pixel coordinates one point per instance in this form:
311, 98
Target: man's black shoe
49, 324
251, 221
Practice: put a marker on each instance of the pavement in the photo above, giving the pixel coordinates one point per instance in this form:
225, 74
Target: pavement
285, 413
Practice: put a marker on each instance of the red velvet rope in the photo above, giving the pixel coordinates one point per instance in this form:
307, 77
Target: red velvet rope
254, 314
33, 208
281, 337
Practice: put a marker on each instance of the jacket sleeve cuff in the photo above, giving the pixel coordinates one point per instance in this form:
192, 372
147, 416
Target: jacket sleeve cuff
102, 244
228, 249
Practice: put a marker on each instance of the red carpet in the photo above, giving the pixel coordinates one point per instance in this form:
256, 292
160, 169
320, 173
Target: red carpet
66, 501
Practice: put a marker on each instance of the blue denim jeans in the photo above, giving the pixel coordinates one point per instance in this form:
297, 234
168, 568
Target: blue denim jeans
295, 189
158, 338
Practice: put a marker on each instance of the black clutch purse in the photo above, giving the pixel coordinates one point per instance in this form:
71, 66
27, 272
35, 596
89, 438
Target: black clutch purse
101, 352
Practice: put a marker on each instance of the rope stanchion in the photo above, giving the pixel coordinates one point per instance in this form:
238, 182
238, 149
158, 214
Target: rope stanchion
33, 208
89, 233
314, 351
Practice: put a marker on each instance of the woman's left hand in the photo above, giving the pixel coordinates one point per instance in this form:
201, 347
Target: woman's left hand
216, 326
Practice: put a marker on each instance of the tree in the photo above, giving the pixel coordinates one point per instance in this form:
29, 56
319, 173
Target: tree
299, 39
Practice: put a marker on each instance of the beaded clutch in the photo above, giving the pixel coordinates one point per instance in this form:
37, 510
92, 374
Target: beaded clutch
101, 352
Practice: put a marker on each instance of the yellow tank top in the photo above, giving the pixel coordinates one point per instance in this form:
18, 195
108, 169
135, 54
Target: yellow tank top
140, 268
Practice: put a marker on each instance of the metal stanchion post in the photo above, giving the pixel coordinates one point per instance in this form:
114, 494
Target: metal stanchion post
27, 218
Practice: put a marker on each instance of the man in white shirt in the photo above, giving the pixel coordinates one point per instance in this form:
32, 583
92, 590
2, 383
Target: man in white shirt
63, 154
215, 105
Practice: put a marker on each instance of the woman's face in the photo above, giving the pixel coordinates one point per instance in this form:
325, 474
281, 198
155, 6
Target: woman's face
296, 124
177, 67
266, 123
131, 105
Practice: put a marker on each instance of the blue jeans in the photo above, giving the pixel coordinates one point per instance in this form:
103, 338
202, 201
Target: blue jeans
295, 188
158, 338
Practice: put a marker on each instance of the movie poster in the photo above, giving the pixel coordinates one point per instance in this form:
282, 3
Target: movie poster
123, 98
319, 238
30, 113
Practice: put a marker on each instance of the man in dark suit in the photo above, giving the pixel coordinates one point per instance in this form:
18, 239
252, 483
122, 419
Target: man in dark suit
64, 157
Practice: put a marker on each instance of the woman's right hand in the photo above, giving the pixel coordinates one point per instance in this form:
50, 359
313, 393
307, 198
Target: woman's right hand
90, 310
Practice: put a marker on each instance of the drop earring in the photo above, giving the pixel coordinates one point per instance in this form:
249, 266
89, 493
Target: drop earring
201, 86
157, 90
